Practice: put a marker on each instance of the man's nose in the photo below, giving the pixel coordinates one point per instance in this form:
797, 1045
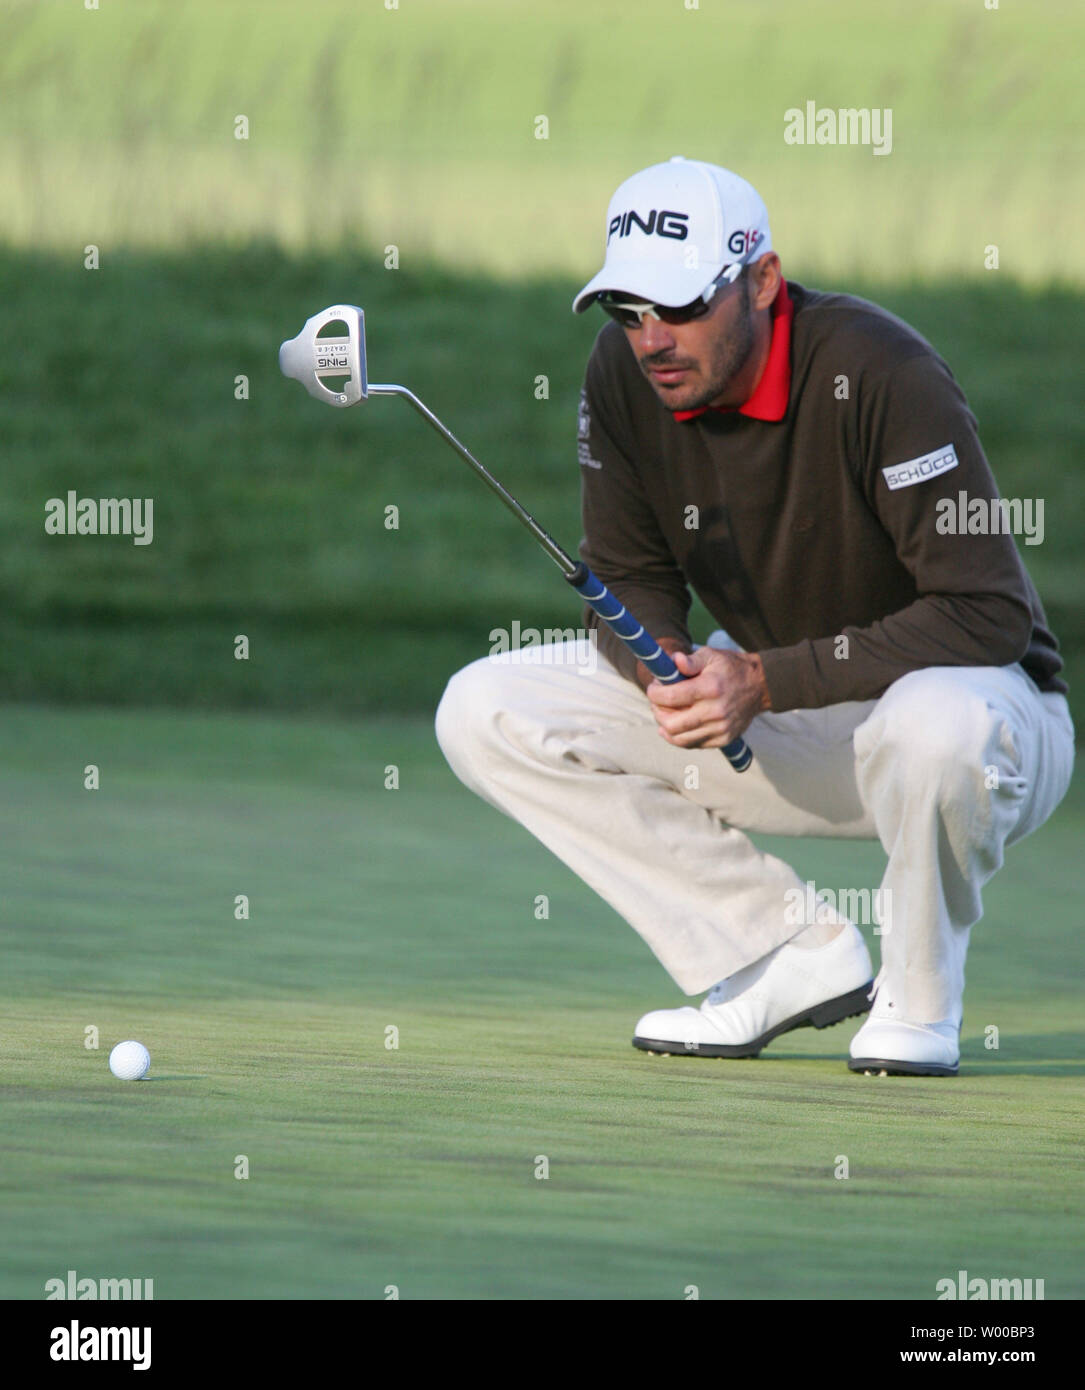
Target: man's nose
655, 336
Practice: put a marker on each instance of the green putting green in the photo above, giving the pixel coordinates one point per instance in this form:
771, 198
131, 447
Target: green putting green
416, 1166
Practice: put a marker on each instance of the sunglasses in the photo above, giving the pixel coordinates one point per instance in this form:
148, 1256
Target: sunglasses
632, 315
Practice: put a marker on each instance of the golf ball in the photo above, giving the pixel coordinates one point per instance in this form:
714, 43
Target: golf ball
129, 1060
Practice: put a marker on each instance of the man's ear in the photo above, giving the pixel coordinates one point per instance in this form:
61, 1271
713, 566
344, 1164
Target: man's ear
767, 276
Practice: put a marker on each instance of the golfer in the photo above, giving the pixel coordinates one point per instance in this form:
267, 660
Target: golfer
781, 452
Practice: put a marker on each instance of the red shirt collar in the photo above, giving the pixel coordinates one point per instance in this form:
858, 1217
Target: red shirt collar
769, 400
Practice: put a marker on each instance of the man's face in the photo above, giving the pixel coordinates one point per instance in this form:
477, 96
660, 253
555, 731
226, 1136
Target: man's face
693, 364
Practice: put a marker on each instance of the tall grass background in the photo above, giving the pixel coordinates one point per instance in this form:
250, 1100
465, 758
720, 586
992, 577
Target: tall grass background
407, 137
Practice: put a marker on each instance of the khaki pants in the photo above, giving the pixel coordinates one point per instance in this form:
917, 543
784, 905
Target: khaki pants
946, 769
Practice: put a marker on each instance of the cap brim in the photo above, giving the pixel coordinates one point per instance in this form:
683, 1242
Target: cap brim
648, 283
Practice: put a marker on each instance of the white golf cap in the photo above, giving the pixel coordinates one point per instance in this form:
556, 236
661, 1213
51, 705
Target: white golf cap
673, 227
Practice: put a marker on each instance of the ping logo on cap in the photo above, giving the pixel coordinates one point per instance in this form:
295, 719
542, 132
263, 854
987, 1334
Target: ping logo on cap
662, 223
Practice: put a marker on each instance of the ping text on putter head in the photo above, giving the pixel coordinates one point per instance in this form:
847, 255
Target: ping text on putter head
308, 357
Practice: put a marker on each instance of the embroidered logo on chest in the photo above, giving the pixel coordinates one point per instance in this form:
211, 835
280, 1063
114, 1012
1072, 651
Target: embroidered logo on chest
583, 433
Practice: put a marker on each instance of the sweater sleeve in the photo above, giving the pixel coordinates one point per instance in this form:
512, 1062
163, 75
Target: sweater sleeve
622, 541
918, 451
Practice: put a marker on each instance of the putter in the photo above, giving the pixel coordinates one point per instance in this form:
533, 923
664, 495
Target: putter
309, 357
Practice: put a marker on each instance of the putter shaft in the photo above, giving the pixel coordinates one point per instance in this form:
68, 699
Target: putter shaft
308, 357
548, 543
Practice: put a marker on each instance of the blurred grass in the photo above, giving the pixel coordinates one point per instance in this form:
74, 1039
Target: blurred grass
416, 126
270, 512
415, 1166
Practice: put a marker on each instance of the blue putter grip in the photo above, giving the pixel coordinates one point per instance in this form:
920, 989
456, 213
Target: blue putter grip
622, 623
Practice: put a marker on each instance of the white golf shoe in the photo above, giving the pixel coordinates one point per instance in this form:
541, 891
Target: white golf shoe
792, 987
888, 1045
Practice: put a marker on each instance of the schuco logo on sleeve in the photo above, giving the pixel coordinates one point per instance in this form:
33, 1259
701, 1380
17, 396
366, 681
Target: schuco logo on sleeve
920, 469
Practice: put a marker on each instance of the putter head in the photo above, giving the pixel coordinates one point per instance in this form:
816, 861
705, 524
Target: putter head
307, 358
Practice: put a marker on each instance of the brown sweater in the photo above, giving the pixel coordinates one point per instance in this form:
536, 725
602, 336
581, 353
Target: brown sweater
805, 528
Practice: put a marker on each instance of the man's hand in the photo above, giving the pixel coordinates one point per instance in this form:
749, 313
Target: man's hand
715, 704
670, 645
